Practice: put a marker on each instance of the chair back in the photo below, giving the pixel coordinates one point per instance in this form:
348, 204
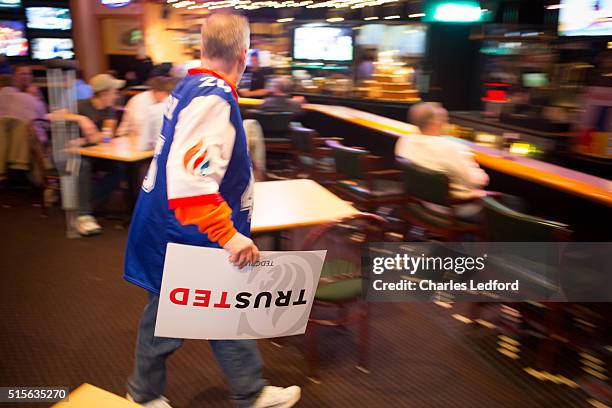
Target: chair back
272, 123
350, 161
345, 241
425, 185
15, 142
302, 139
506, 225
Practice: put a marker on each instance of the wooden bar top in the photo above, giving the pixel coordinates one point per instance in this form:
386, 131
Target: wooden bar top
584, 185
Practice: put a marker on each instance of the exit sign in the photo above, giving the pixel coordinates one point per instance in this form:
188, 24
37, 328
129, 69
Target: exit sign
115, 3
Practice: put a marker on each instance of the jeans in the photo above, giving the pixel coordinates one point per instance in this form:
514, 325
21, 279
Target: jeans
239, 360
91, 190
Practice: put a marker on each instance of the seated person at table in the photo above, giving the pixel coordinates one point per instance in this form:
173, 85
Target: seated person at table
137, 108
257, 74
154, 117
100, 120
21, 105
280, 99
81, 87
429, 150
24, 81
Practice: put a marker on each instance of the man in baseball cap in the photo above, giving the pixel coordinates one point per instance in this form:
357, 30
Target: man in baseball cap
100, 113
105, 82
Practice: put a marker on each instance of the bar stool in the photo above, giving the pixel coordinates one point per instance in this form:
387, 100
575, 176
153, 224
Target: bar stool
363, 178
424, 188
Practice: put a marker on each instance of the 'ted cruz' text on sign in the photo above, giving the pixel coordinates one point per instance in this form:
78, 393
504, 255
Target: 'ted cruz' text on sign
242, 300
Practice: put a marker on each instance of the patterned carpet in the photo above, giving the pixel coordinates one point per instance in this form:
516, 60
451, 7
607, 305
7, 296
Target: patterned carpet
69, 318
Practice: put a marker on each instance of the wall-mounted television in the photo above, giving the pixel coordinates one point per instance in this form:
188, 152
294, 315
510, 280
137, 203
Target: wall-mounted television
52, 48
48, 18
10, 4
535, 79
585, 17
323, 43
408, 40
13, 42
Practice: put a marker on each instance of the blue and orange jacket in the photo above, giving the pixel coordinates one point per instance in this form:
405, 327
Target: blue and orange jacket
198, 190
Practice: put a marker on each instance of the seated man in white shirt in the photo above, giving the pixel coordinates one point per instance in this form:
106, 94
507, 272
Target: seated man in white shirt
143, 112
433, 152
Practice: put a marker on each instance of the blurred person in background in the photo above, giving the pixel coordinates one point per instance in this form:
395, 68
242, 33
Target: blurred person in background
258, 76
201, 176
100, 108
138, 105
280, 99
152, 117
257, 147
21, 105
365, 68
97, 120
430, 150
24, 82
82, 89
5, 67
140, 68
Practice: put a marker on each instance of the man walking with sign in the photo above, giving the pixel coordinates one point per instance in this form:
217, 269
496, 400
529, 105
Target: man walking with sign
198, 191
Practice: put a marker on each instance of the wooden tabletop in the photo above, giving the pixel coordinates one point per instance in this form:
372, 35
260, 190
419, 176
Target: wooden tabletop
89, 396
557, 177
286, 204
120, 149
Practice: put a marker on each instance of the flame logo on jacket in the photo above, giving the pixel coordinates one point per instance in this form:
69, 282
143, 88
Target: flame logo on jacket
195, 161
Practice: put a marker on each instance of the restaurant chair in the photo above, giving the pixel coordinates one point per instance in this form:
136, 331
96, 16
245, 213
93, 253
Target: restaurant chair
503, 224
276, 127
506, 225
363, 178
21, 153
312, 159
424, 188
338, 301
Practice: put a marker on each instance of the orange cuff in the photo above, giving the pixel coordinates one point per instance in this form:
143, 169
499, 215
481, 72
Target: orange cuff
212, 219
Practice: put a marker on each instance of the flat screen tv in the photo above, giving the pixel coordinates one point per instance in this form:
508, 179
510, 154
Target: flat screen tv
585, 17
323, 43
52, 48
13, 42
48, 18
10, 3
535, 79
407, 40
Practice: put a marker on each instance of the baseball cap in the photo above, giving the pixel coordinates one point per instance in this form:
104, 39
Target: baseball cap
104, 82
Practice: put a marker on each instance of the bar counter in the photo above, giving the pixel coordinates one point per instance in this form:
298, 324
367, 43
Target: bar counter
586, 199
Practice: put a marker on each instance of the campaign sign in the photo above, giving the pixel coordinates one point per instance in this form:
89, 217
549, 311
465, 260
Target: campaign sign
203, 296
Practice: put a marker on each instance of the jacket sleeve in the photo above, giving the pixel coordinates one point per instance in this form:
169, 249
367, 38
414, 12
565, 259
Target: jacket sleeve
203, 142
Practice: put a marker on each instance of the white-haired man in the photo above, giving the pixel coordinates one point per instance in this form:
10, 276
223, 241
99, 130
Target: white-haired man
199, 192
280, 100
433, 152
